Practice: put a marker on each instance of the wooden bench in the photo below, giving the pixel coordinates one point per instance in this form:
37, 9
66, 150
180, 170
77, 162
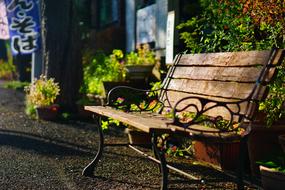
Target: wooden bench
217, 87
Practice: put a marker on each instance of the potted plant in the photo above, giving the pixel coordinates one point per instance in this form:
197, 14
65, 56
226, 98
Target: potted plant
40, 97
139, 64
273, 173
271, 127
102, 72
223, 26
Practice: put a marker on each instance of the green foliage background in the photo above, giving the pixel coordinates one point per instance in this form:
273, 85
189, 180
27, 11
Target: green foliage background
241, 25
235, 25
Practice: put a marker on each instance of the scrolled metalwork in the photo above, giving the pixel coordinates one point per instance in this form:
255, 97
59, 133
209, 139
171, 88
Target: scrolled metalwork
132, 99
199, 107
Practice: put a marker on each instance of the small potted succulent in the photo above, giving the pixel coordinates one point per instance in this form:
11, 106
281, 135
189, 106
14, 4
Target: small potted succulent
40, 97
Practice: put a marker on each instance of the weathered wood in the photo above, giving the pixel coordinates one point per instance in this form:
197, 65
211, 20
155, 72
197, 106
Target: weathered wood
144, 122
238, 74
155, 122
246, 58
212, 88
177, 95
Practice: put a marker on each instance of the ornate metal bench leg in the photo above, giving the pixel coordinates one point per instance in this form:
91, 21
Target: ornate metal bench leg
89, 169
161, 157
240, 169
154, 150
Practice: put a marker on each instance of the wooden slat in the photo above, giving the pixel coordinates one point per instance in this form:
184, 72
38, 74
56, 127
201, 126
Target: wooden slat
149, 121
239, 74
212, 88
245, 58
142, 122
279, 56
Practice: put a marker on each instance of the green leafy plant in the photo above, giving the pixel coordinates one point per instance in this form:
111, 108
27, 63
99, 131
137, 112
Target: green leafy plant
276, 162
235, 25
17, 85
97, 67
30, 110
143, 56
175, 146
274, 104
42, 92
105, 124
7, 68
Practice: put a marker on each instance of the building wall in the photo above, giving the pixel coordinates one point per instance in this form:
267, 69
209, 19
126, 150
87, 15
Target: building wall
162, 9
123, 35
110, 36
161, 18
130, 25
107, 39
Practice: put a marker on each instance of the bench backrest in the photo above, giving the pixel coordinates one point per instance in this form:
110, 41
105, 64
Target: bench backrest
227, 77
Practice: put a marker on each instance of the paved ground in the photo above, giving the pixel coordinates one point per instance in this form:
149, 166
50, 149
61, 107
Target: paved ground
48, 155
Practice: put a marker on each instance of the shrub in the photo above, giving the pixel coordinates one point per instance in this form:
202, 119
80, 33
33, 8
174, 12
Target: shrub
97, 67
235, 25
42, 92
7, 68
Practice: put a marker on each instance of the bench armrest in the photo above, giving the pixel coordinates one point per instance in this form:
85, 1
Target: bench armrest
133, 99
217, 115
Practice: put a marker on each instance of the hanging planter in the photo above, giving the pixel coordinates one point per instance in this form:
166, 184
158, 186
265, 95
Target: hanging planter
41, 95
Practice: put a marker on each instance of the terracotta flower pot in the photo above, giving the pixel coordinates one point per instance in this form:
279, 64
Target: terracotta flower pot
262, 142
138, 137
48, 112
272, 179
220, 154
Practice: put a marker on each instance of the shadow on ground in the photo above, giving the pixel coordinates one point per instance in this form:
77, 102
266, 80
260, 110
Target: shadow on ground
41, 145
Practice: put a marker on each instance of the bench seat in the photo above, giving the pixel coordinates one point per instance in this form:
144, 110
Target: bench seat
148, 122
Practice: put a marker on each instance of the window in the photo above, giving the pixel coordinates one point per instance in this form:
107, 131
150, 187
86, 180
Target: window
143, 3
108, 12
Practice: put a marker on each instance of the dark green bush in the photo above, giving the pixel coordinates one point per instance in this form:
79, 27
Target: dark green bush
235, 25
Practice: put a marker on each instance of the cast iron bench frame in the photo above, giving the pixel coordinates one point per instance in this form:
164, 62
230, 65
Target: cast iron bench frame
142, 119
